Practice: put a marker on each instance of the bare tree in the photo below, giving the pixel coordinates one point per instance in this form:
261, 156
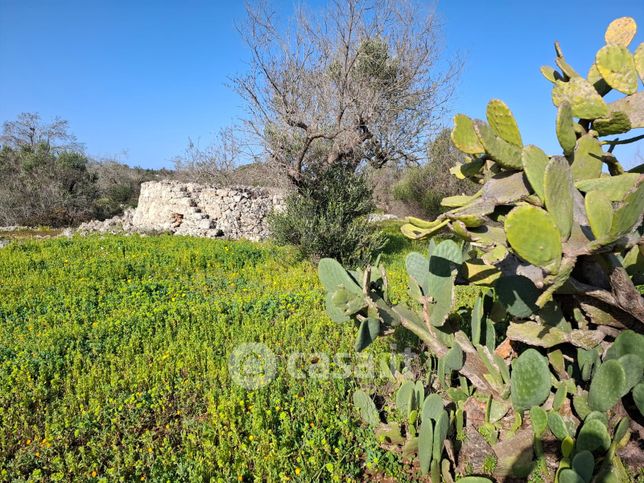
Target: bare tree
358, 82
29, 130
213, 163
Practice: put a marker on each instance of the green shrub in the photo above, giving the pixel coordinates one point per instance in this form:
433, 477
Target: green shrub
423, 187
326, 217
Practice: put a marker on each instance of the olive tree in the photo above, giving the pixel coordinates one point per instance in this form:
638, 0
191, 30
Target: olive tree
358, 82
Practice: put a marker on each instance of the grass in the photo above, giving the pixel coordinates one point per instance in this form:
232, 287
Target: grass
114, 364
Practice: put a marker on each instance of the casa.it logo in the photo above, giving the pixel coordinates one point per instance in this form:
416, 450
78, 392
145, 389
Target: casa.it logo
252, 365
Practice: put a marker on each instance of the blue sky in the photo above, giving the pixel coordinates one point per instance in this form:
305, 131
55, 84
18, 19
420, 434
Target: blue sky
136, 78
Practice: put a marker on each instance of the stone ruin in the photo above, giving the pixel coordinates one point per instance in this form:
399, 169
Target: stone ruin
196, 210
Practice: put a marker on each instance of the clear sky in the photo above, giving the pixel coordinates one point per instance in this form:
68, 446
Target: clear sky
136, 78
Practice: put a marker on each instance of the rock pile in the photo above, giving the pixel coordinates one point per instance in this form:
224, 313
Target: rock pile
196, 210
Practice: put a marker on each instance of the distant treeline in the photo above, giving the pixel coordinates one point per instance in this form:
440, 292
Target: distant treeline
47, 179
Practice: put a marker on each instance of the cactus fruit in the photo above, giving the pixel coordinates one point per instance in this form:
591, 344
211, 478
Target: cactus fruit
606, 386
534, 236
505, 154
587, 162
566, 128
557, 188
621, 31
599, 210
425, 445
464, 137
534, 162
584, 100
593, 436
615, 188
530, 377
366, 407
616, 65
503, 123
518, 294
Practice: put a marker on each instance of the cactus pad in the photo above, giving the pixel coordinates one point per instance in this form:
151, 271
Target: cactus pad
638, 57
367, 333
606, 386
432, 407
518, 294
621, 31
616, 65
405, 398
633, 369
599, 210
628, 215
593, 436
334, 311
464, 137
568, 475
505, 154
440, 433
418, 269
534, 162
534, 236
617, 122
410, 230
565, 128
557, 426
638, 397
425, 445
440, 280
628, 342
557, 187
584, 463
530, 380
550, 74
615, 188
587, 163
584, 100
539, 419
366, 408
332, 275
503, 123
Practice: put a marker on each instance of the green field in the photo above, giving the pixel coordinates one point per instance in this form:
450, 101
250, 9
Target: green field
114, 364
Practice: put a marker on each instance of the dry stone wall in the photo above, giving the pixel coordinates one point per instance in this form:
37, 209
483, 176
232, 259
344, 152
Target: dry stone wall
198, 210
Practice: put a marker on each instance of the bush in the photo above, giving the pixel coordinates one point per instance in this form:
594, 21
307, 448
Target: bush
422, 188
326, 217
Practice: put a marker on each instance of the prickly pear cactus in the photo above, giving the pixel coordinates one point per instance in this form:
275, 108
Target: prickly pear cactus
555, 242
